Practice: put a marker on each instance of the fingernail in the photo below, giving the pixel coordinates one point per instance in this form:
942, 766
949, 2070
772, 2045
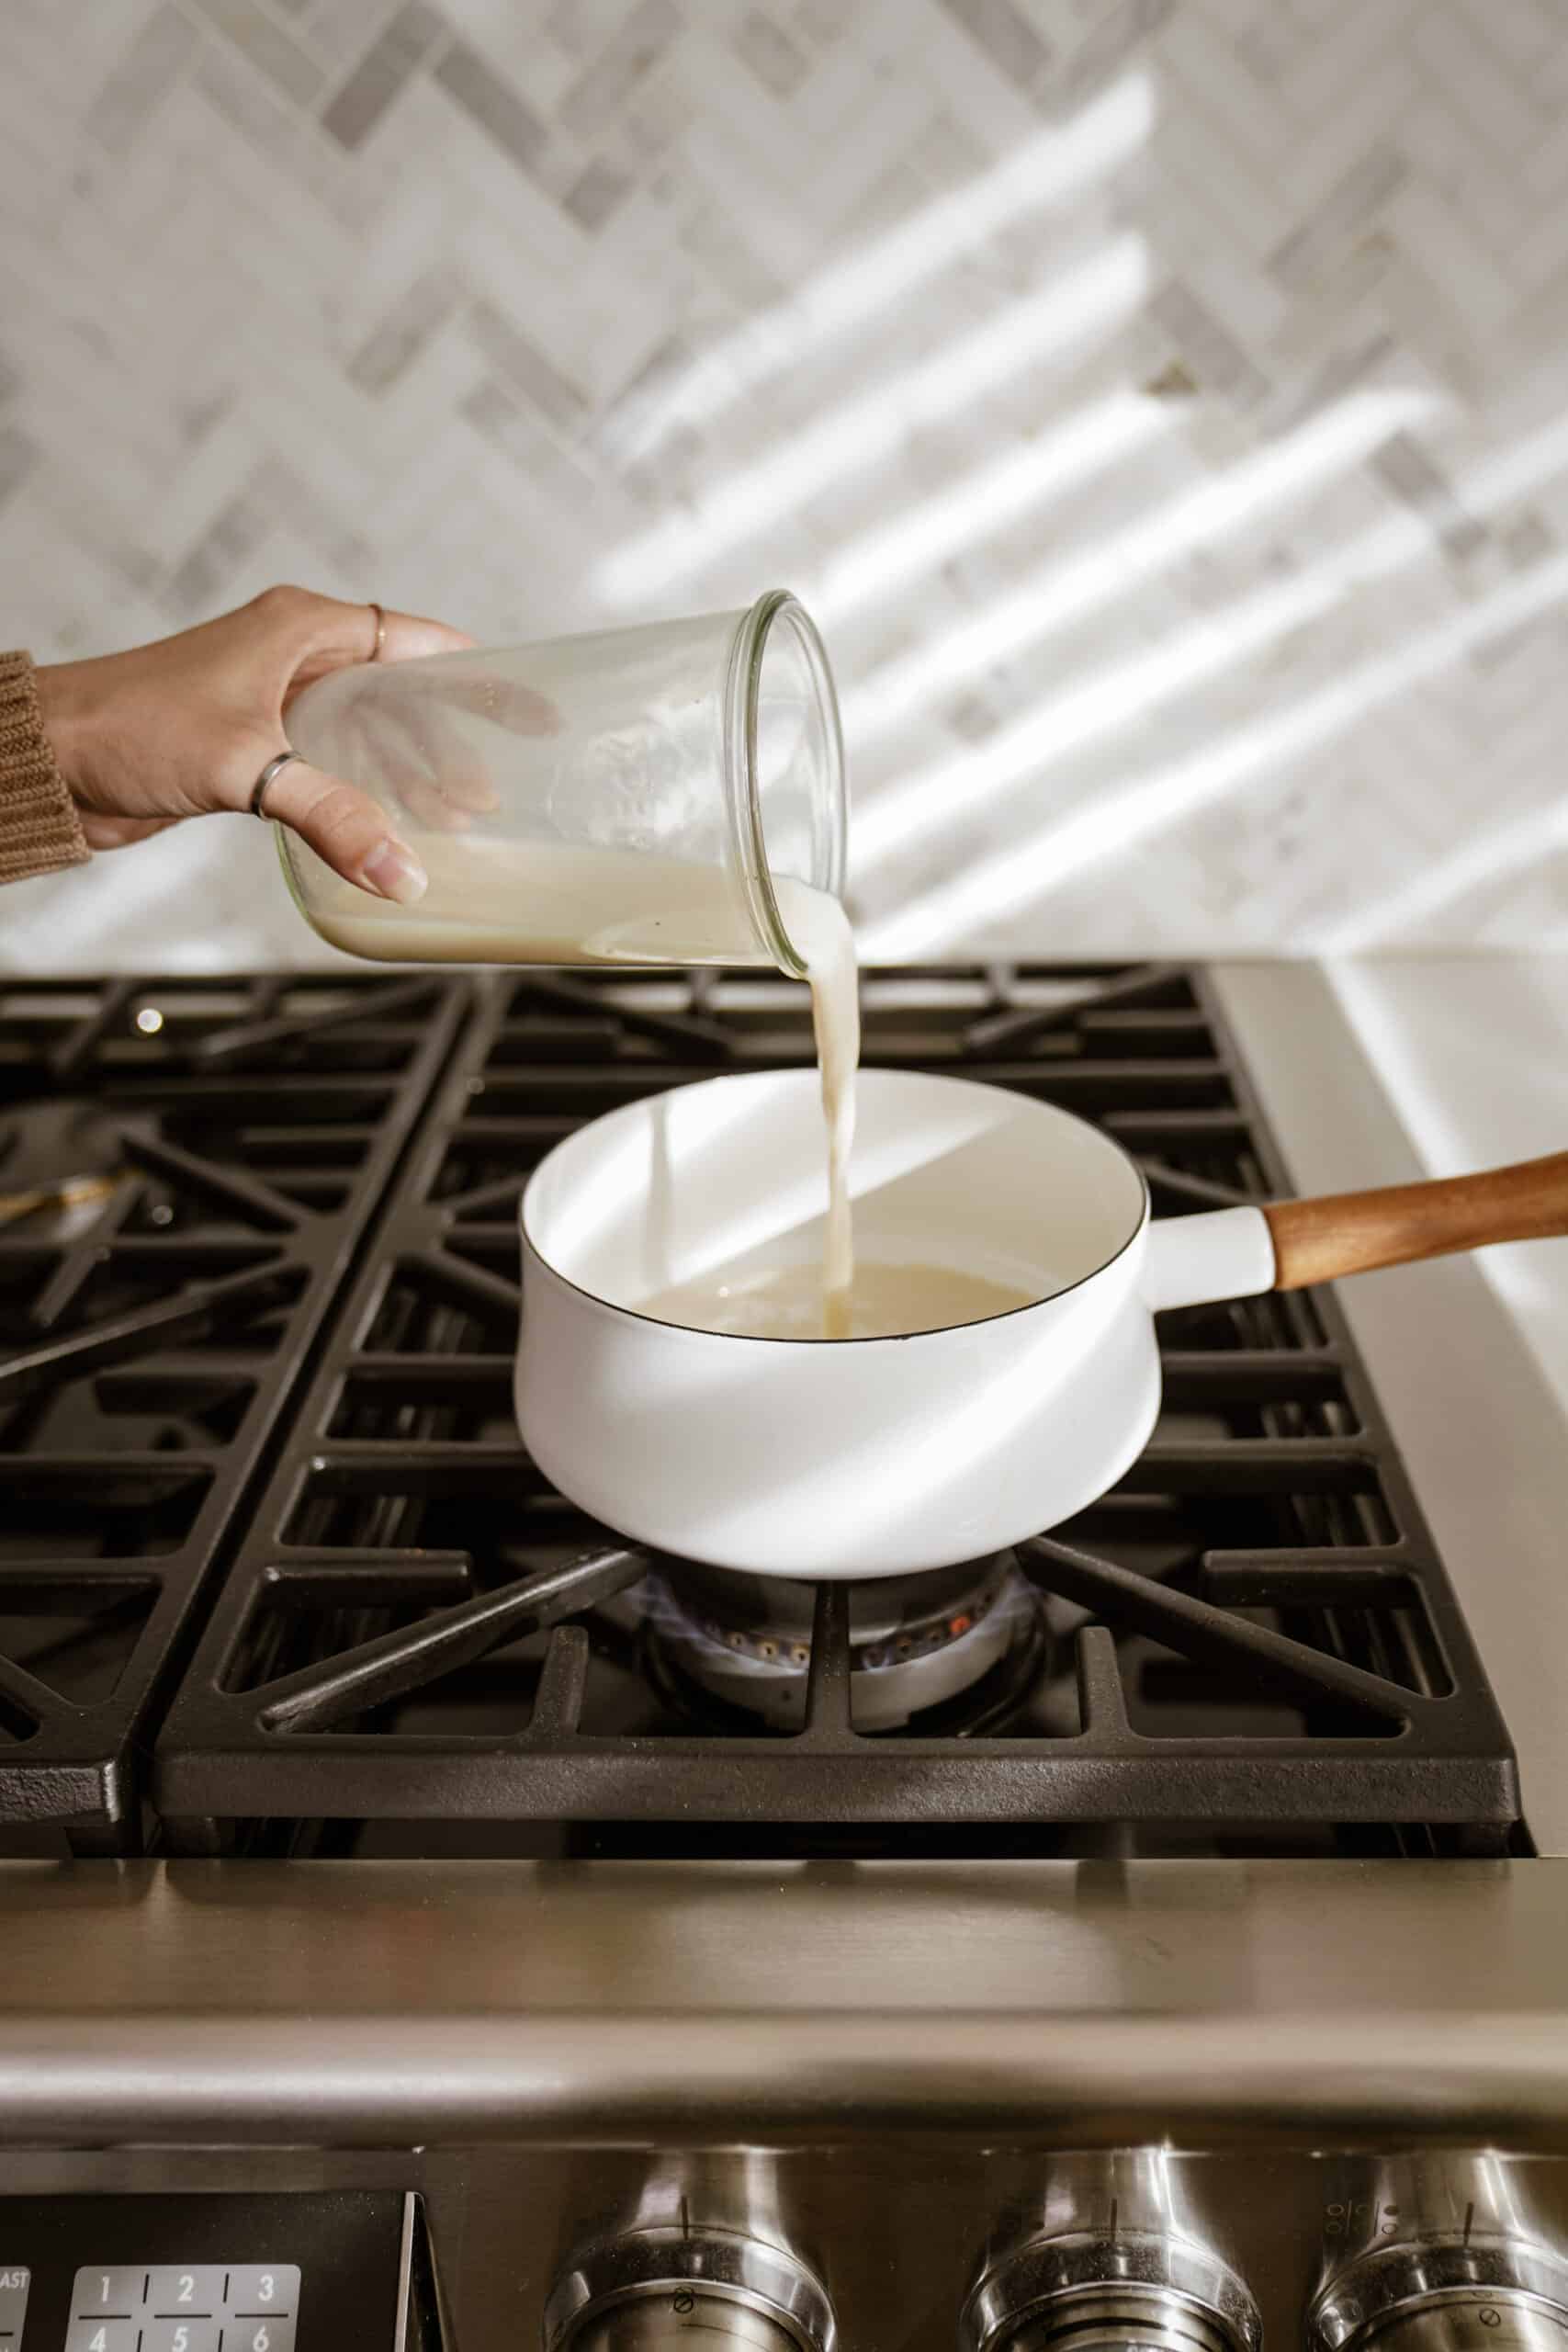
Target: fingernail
395, 872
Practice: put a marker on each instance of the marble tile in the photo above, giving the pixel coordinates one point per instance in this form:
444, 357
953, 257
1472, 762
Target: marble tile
398, 339
492, 307
373, 86
1007, 36
780, 63
491, 101
275, 53
614, 77
126, 102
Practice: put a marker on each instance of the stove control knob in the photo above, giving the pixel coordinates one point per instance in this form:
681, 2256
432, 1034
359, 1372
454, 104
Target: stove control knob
687, 2291
1089, 2293
1445, 2295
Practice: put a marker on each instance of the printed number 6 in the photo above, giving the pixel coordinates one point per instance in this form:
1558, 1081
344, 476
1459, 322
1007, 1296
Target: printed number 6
260, 2340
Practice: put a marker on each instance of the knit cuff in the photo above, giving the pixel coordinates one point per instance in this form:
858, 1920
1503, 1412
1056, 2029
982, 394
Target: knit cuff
39, 828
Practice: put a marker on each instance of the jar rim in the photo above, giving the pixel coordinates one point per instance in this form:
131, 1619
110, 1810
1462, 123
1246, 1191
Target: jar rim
742, 695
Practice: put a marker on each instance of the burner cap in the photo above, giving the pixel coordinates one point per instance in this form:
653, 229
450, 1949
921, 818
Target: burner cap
59, 1161
916, 1643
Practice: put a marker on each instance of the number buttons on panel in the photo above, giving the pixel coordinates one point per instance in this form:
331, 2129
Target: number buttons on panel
91, 2335
107, 2294
179, 2307
263, 2291
251, 2335
181, 2336
195, 2291
264, 2300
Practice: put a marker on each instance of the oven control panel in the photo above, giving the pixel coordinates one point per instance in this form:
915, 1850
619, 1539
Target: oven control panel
170, 2307
220, 2273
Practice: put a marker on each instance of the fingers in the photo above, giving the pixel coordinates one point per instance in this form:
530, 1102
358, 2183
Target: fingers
386, 751
428, 774
320, 633
408, 638
455, 765
418, 749
503, 703
348, 832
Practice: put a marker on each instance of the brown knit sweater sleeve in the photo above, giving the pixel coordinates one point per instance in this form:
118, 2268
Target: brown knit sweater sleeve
39, 828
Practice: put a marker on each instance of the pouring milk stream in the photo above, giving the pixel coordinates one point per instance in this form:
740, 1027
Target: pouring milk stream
545, 903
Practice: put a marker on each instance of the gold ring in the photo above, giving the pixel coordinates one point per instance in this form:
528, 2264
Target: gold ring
380, 633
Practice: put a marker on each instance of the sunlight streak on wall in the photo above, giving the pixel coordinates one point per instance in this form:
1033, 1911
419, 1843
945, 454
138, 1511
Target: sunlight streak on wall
849, 294
1062, 594
1062, 316
1490, 857
1127, 691
998, 885
987, 499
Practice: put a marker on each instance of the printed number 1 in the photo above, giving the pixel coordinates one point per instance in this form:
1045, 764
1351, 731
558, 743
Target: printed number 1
104, 2291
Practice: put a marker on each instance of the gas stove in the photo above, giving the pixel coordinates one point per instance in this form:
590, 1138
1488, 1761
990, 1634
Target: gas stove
405, 1643
484, 1929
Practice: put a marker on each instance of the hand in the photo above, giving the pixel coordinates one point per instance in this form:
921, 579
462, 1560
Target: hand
183, 728
406, 733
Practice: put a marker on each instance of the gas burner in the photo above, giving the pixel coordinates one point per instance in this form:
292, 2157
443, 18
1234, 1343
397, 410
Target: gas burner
61, 1162
956, 1643
186, 1168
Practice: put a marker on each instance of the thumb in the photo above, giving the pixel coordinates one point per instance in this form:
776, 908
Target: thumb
347, 830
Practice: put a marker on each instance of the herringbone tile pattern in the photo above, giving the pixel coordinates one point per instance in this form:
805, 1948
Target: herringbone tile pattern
1161, 401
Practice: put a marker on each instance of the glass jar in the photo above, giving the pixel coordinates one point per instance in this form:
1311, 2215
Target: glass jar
660, 794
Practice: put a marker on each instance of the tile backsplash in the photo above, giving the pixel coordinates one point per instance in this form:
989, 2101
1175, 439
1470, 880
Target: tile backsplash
1162, 403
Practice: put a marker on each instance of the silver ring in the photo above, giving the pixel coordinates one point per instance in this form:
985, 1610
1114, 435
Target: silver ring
258, 789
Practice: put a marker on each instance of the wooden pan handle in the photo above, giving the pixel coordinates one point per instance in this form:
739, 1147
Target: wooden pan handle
1350, 1233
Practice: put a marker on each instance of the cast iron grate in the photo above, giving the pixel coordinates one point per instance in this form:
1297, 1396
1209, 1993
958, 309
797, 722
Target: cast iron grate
422, 1644
185, 1167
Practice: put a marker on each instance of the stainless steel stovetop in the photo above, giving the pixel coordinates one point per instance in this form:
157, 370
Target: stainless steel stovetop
1122, 2040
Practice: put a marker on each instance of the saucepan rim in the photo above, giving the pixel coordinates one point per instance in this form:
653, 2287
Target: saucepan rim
686, 1332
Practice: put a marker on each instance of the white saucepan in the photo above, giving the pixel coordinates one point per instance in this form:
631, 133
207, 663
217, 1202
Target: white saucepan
874, 1457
